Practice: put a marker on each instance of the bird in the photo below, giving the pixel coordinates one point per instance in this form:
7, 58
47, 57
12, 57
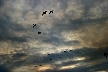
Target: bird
48, 54
50, 59
44, 13
40, 65
39, 32
34, 25
64, 51
105, 54
70, 50
51, 12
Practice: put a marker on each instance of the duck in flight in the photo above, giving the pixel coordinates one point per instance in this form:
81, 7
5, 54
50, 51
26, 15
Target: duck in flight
51, 12
44, 13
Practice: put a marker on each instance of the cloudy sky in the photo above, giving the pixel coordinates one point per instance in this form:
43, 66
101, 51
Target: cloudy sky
77, 25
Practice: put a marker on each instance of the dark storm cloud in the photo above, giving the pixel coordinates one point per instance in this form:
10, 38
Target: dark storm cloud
95, 54
3, 69
1, 2
20, 59
11, 61
18, 55
90, 55
7, 30
99, 67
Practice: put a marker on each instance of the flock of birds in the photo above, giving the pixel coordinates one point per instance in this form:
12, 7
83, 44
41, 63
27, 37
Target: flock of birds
42, 15
46, 12
52, 59
105, 54
40, 32
33, 27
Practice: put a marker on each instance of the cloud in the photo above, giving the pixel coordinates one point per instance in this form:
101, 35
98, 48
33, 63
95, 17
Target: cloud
92, 58
94, 36
3, 69
77, 25
1, 2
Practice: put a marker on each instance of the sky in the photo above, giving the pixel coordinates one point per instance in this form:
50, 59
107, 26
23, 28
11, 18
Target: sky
79, 27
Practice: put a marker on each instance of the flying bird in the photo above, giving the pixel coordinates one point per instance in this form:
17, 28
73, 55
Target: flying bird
48, 54
70, 50
44, 13
64, 51
105, 54
51, 12
50, 59
34, 25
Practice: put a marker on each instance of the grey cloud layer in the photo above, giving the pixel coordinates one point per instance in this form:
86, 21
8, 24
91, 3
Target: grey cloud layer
67, 28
